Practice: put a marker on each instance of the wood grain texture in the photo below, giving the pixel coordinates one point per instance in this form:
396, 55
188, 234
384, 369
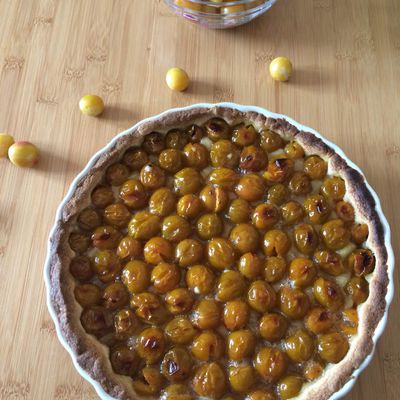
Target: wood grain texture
346, 85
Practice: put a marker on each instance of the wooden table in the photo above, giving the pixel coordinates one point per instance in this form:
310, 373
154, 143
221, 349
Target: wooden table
346, 56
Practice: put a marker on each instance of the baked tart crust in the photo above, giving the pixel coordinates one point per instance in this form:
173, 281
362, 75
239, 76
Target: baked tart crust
92, 356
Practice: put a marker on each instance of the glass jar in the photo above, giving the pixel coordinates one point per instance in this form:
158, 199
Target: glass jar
219, 14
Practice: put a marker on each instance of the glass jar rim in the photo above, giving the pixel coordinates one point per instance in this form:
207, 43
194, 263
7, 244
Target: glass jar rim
209, 15
223, 4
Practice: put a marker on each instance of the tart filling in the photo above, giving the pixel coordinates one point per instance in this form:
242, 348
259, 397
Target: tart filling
219, 254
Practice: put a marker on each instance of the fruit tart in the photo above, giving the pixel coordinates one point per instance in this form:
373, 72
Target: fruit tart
218, 251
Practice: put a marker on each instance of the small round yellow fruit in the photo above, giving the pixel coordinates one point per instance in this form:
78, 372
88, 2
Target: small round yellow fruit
232, 9
23, 154
6, 141
189, 4
177, 79
91, 105
281, 69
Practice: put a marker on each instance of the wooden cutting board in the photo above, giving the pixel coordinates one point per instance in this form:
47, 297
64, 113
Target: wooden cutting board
346, 84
